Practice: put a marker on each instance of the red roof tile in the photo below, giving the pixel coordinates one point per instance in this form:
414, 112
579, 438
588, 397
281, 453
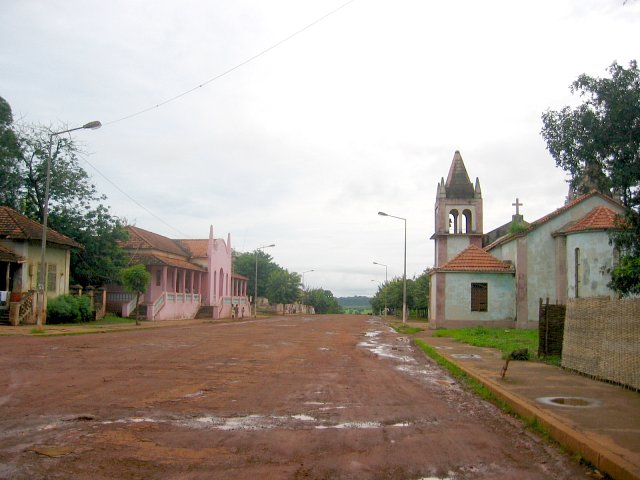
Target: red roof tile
197, 247
15, 226
475, 259
140, 239
154, 259
600, 218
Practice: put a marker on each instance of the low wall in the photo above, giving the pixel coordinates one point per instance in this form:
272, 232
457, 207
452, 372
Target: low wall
602, 339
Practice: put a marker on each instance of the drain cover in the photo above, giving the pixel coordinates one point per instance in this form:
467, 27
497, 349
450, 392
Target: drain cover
570, 402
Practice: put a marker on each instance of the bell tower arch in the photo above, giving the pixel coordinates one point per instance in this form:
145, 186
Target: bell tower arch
458, 213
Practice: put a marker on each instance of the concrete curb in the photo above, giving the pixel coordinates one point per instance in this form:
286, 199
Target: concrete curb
565, 434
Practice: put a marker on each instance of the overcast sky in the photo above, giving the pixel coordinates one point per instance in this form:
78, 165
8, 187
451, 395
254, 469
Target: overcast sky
303, 145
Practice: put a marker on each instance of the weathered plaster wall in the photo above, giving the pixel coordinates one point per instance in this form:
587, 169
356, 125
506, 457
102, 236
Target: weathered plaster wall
596, 257
28, 274
456, 244
501, 296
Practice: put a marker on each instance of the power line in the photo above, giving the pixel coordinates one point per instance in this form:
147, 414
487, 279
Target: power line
232, 69
184, 235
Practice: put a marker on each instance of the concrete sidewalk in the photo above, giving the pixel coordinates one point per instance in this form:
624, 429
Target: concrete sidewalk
597, 420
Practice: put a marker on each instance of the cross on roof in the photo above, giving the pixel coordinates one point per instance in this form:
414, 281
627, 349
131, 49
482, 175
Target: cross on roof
517, 205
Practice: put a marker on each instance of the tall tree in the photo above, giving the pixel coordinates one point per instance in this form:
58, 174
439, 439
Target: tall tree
75, 207
9, 155
136, 280
70, 186
598, 144
322, 301
101, 260
244, 263
283, 287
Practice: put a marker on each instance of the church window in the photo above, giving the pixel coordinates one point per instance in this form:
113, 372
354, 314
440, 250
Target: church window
479, 297
466, 224
453, 221
158, 278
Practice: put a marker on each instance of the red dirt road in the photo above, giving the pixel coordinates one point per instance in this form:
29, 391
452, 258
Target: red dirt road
317, 397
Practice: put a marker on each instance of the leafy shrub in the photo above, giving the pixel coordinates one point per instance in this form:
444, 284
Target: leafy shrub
68, 309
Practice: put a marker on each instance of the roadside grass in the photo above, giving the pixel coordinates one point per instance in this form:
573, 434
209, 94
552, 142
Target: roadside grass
406, 329
504, 339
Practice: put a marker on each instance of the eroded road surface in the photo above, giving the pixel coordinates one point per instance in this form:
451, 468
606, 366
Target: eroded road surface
314, 397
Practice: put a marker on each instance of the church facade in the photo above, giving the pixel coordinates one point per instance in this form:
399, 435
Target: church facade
496, 279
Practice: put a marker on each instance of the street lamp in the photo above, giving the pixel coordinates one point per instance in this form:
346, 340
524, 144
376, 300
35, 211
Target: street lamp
404, 274
255, 297
41, 320
385, 282
307, 271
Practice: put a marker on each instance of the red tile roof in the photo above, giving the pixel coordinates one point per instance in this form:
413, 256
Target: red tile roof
157, 259
475, 259
15, 226
140, 239
600, 218
197, 248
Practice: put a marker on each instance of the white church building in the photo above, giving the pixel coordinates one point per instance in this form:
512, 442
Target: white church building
497, 279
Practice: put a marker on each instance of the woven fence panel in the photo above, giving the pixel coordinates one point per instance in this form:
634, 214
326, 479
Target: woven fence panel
550, 329
602, 339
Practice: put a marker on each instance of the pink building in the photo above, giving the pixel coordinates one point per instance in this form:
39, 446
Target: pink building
189, 278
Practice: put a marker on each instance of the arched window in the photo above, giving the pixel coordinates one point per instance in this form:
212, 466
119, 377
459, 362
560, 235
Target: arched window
215, 282
466, 223
221, 289
453, 221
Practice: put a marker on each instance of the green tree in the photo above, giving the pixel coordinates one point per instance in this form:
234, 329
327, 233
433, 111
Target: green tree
136, 280
420, 290
102, 259
322, 301
75, 207
283, 287
9, 154
244, 263
391, 291
598, 144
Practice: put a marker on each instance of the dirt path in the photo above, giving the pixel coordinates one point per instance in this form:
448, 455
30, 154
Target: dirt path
289, 397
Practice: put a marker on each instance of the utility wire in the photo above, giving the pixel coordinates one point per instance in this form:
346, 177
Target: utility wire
184, 235
227, 72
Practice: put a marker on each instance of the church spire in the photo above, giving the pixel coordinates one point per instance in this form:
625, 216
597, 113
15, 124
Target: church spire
458, 184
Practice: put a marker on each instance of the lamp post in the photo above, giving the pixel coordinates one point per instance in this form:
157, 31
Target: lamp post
41, 320
404, 273
385, 282
307, 271
255, 296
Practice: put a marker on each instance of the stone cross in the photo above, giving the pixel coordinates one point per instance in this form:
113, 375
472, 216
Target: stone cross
517, 205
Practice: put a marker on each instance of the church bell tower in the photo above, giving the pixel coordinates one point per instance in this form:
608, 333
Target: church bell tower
458, 213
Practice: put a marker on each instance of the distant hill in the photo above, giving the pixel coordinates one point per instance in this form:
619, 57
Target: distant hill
354, 302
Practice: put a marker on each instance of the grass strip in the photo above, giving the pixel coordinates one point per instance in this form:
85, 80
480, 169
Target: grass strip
505, 340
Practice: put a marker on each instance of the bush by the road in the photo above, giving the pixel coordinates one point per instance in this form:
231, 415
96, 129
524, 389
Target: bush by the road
68, 309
